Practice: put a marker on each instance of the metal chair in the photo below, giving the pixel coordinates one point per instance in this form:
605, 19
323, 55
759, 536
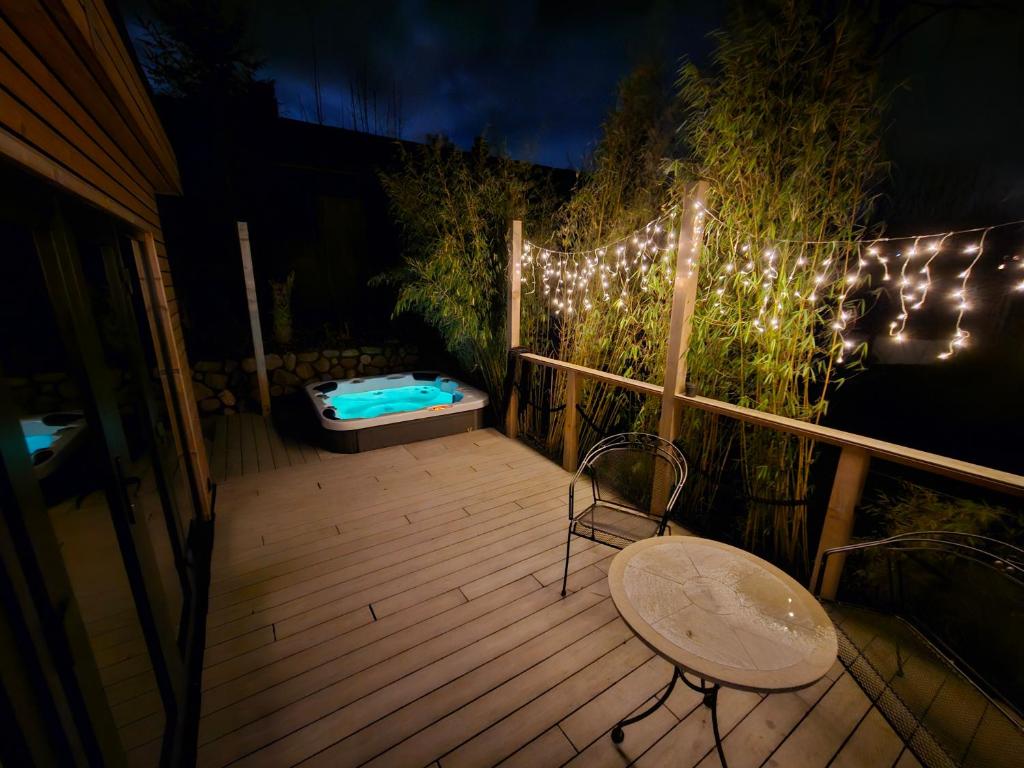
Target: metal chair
932, 606
635, 480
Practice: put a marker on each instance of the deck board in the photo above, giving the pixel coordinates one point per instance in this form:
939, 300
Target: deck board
401, 608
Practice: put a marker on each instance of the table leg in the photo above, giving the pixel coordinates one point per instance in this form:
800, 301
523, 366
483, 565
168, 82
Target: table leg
617, 733
710, 694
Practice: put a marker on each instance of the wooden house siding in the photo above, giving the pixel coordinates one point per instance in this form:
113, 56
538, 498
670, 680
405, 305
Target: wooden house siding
74, 109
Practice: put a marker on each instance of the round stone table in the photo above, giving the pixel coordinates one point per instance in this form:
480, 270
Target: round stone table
724, 616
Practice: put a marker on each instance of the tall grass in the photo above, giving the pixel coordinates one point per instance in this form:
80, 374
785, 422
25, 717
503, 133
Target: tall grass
622, 189
454, 209
785, 125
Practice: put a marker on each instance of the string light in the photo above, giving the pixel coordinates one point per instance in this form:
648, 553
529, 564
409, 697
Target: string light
578, 282
960, 336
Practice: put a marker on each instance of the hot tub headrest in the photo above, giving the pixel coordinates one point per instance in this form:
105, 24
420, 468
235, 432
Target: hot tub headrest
327, 386
41, 456
61, 419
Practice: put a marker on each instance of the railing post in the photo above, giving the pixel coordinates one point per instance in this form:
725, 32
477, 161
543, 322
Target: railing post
684, 294
513, 310
847, 487
254, 317
571, 423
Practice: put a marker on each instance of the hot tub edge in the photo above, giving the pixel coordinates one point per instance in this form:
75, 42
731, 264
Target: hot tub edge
398, 433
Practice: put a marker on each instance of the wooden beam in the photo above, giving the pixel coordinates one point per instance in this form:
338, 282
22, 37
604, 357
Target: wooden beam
514, 315
684, 294
955, 469
571, 422
515, 274
847, 487
173, 365
633, 385
22, 152
254, 317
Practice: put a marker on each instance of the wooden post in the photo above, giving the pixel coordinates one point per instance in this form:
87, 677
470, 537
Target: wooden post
842, 505
512, 322
254, 317
173, 366
571, 423
684, 295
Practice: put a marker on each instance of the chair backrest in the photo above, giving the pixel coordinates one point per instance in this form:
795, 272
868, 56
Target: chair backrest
626, 468
963, 591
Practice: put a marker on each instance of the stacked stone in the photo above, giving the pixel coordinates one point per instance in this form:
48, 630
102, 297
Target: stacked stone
225, 387
55, 391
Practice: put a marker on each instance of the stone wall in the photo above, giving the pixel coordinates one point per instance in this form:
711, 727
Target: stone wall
228, 386
56, 391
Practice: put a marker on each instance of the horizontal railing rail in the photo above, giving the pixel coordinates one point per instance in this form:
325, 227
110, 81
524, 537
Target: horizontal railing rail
857, 451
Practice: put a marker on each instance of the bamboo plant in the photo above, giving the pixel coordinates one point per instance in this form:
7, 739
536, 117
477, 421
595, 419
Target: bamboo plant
785, 125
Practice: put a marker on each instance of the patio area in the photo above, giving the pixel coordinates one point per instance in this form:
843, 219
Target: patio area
401, 608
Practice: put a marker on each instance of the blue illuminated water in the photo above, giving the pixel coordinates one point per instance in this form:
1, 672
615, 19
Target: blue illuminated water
378, 402
38, 442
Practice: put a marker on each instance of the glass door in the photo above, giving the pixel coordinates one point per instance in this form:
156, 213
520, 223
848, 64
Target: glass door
82, 387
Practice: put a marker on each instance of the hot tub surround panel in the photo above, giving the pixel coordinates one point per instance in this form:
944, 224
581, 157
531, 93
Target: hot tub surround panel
464, 412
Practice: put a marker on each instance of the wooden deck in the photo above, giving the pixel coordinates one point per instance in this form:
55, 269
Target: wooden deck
401, 608
247, 444
93, 560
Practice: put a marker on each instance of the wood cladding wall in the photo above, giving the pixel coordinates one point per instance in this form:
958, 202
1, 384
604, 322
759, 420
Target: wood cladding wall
75, 110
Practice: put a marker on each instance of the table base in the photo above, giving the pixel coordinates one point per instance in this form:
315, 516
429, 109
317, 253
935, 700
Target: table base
710, 694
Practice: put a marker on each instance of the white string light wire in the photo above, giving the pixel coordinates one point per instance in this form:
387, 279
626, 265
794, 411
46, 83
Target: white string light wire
575, 281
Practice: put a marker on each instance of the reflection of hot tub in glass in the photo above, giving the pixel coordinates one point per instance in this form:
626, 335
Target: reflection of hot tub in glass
364, 414
51, 438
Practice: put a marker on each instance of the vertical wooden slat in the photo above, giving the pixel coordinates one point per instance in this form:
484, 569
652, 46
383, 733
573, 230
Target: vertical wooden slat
515, 273
571, 423
847, 487
174, 365
254, 317
684, 294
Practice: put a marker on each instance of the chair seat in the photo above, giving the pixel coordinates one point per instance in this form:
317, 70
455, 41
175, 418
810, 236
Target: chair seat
613, 526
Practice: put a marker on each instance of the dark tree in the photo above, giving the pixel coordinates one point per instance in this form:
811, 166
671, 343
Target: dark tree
198, 48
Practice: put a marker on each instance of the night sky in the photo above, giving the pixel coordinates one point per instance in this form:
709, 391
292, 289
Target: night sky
537, 77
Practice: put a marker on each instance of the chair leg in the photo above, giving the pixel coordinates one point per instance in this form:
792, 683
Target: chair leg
565, 576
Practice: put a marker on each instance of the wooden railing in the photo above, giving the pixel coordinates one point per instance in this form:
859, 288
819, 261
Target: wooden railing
854, 459
856, 450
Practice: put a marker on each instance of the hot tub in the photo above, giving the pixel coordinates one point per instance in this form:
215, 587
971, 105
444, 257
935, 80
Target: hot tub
369, 413
51, 438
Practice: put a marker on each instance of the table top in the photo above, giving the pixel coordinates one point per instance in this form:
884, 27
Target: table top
722, 613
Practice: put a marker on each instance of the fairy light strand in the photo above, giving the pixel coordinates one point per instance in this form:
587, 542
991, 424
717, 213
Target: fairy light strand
574, 282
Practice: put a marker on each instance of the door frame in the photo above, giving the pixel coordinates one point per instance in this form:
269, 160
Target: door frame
58, 256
